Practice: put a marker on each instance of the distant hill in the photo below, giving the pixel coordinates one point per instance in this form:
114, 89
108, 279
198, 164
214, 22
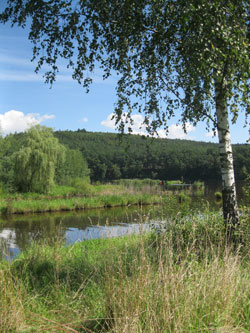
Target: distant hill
111, 157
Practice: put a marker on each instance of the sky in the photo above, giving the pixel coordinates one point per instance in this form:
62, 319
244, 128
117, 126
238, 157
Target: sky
25, 100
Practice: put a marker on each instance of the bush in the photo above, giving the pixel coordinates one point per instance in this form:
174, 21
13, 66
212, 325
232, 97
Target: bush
82, 185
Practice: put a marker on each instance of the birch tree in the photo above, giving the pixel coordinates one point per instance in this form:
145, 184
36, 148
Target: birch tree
173, 58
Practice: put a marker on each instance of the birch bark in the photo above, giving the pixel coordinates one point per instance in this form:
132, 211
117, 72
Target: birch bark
230, 207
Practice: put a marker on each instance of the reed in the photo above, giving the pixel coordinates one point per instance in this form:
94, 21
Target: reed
122, 193
181, 277
50, 204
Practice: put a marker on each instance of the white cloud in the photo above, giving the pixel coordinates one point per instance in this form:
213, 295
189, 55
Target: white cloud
138, 127
84, 120
174, 131
109, 122
16, 121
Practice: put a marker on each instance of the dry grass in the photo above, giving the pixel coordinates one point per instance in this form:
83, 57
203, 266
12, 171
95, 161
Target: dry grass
11, 302
186, 280
179, 296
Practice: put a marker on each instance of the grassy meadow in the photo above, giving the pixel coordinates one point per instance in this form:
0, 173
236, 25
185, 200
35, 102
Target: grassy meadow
182, 277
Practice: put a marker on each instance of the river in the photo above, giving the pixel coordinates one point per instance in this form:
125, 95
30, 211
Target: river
19, 231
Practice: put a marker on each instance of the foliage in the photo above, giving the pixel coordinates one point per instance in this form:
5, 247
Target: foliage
138, 183
162, 50
183, 197
247, 189
36, 161
199, 185
73, 166
8, 146
139, 157
81, 185
218, 195
174, 182
134, 156
71, 163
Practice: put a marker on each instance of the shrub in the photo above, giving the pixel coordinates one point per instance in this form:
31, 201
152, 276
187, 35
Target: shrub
82, 185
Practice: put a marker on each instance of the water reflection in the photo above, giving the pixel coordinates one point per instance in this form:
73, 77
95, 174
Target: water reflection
18, 231
93, 232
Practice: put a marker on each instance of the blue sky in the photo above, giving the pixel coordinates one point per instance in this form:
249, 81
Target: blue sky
26, 100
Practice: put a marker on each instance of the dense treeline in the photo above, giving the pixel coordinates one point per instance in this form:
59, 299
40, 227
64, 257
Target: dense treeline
107, 156
135, 156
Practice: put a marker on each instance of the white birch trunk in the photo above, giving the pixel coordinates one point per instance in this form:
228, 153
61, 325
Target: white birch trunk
230, 208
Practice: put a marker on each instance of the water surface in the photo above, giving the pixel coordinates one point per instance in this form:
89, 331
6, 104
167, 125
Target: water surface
18, 231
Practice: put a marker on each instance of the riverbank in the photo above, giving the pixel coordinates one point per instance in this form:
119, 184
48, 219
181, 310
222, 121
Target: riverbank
186, 277
23, 206
69, 199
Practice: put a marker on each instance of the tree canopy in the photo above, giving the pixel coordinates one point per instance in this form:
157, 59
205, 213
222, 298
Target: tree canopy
36, 161
73, 166
141, 157
164, 50
104, 158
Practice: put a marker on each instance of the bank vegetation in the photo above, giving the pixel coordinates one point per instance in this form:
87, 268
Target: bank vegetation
183, 276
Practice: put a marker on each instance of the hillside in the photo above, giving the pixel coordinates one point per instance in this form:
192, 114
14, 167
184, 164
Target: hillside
111, 157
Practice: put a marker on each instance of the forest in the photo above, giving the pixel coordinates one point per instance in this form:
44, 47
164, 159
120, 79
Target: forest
108, 156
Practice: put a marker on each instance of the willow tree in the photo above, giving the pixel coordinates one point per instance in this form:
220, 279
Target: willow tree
36, 161
172, 57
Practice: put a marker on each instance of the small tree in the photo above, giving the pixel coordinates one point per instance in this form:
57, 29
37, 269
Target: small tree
74, 166
36, 161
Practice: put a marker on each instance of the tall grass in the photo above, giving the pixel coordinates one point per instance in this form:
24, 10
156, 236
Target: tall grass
137, 183
78, 197
81, 196
180, 297
78, 203
12, 318
181, 278
151, 186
